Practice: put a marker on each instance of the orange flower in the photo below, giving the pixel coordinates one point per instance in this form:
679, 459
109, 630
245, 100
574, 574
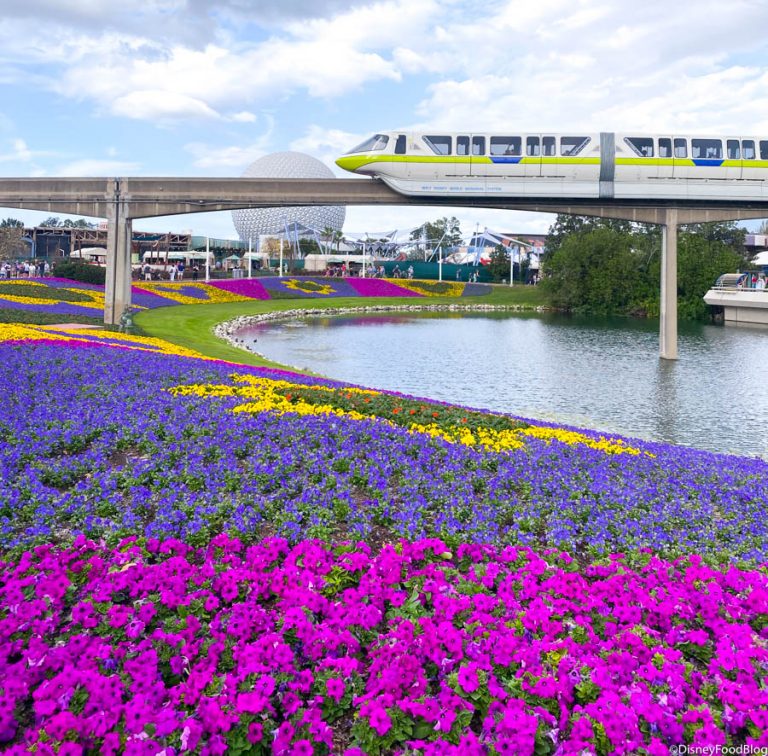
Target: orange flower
413, 412
434, 414
396, 410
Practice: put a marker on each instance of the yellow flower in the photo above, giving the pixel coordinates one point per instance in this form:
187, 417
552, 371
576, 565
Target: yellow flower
173, 291
431, 288
308, 287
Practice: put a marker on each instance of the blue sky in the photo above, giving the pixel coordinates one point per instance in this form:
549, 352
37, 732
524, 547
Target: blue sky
199, 88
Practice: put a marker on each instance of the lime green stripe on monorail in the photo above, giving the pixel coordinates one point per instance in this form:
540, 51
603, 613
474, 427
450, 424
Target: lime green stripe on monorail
562, 160
354, 162
688, 163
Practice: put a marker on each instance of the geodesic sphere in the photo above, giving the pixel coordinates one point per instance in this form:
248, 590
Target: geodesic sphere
256, 222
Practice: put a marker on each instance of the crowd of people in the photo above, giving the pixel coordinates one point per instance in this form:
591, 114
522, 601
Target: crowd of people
30, 269
170, 272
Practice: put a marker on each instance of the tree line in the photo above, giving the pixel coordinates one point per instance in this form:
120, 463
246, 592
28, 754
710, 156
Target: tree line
601, 267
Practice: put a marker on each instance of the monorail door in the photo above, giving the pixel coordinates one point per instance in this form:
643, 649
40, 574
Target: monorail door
470, 154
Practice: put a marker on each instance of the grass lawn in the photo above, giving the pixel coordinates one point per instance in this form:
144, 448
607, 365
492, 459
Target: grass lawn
192, 326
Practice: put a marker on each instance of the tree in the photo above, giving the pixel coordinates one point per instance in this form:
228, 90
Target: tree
446, 229
326, 235
566, 225
606, 267
309, 246
54, 222
338, 238
498, 267
594, 271
11, 223
11, 243
79, 223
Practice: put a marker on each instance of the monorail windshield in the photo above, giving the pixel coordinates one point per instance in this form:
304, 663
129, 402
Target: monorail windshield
375, 143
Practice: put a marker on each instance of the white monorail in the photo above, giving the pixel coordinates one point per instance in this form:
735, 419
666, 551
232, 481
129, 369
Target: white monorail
575, 165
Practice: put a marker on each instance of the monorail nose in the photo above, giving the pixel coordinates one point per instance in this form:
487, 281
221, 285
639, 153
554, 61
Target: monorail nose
348, 162
353, 163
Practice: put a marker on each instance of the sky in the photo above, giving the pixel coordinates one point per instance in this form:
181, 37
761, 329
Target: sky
205, 87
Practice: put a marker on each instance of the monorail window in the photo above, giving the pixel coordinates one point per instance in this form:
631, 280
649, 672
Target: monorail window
642, 146
478, 145
506, 145
665, 148
548, 148
763, 150
376, 142
441, 145
400, 145
748, 149
462, 145
681, 148
532, 147
732, 149
706, 149
572, 145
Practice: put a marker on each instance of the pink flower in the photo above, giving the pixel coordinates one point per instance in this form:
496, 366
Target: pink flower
335, 688
380, 721
468, 678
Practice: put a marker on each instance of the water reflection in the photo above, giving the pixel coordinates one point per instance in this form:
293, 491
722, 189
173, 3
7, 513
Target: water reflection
599, 373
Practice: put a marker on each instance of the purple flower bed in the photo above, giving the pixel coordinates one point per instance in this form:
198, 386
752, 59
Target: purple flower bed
143, 298
67, 283
59, 308
378, 287
291, 286
244, 287
118, 455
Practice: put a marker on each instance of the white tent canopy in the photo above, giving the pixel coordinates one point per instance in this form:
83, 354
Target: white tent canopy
761, 258
89, 252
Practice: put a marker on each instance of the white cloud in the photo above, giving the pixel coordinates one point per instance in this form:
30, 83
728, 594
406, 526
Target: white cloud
231, 160
96, 167
160, 105
243, 117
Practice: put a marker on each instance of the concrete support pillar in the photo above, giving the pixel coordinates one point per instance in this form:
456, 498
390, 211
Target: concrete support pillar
668, 303
117, 288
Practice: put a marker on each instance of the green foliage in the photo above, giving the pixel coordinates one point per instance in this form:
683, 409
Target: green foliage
11, 244
309, 246
446, 229
498, 266
11, 223
593, 271
77, 271
55, 222
601, 267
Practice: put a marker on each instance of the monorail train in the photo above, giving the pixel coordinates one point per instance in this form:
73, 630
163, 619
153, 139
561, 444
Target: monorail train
606, 165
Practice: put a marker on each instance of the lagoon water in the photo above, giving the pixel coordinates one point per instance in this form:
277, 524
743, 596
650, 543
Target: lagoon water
597, 373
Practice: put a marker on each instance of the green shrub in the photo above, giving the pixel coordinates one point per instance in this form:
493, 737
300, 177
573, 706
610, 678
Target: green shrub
78, 271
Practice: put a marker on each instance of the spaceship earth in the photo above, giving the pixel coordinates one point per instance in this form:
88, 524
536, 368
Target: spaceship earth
254, 222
